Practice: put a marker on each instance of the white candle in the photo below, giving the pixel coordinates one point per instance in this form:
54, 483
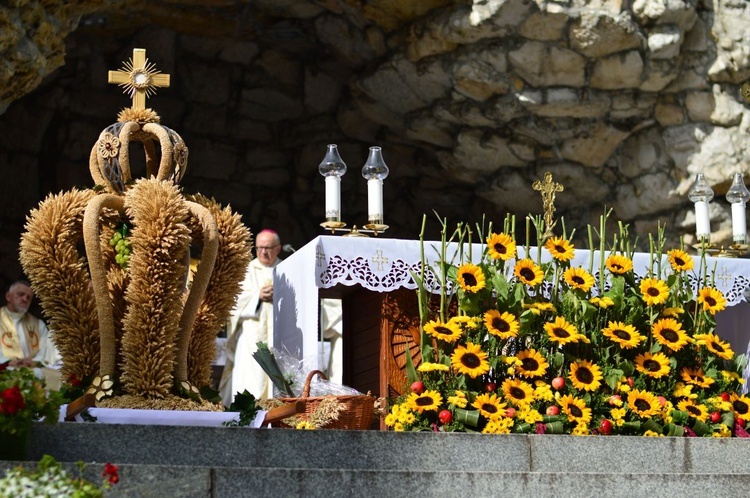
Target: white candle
375, 200
702, 221
333, 197
739, 223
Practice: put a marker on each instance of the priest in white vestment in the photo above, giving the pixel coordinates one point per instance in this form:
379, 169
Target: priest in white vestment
252, 322
25, 340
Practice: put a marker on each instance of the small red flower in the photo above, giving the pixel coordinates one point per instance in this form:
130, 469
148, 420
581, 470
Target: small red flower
73, 380
540, 428
740, 431
11, 401
110, 472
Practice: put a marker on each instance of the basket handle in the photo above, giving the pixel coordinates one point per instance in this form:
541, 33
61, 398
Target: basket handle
306, 387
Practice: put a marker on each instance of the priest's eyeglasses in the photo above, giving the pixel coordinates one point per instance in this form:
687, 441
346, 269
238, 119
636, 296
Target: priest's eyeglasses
267, 248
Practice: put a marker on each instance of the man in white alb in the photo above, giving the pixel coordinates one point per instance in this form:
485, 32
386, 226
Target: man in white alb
251, 322
24, 339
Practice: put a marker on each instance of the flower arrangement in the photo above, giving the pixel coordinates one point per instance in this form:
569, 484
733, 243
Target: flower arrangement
523, 341
24, 399
50, 479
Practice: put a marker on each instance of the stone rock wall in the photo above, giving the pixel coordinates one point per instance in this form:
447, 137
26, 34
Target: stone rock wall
623, 101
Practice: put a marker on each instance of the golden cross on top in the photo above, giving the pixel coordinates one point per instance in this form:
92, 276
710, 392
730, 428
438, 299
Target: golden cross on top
139, 78
548, 188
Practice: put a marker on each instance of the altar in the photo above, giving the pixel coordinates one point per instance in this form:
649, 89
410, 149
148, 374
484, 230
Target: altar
374, 278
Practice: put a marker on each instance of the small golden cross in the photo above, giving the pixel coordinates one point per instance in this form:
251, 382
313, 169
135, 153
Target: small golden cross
548, 188
379, 259
139, 78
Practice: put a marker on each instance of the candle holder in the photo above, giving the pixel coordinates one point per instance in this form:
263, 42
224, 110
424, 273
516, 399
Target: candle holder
732, 251
374, 171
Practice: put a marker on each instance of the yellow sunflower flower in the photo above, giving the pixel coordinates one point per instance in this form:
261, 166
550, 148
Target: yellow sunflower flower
623, 334
501, 246
561, 332
668, 332
559, 248
528, 272
672, 312
489, 405
470, 360
740, 406
714, 344
712, 300
682, 390
680, 260
696, 377
470, 278
643, 403
578, 278
585, 375
575, 409
518, 392
618, 264
654, 291
531, 364
653, 365
729, 376
539, 308
432, 367
463, 321
448, 332
602, 302
697, 411
503, 325
427, 401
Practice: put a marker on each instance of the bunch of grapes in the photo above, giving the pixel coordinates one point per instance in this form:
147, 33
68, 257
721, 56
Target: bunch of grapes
122, 246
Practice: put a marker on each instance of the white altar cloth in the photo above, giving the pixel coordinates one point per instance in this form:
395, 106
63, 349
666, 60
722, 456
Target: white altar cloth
163, 417
383, 265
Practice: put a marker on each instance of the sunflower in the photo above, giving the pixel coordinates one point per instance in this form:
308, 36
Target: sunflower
448, 332
712, 300
575, 409
470, 278
643, 403
528, 272
531, 364
740, 406
654, 291
653, 365
559, 248
489, 405
618, 264
470, 360
672, 312
696, 410
585, 375
503, 325
501, 246
668, 332
427, 401
560, 331
518, 392
538, 308
714, 344
680, 260
623, 334
696, 377
578, 278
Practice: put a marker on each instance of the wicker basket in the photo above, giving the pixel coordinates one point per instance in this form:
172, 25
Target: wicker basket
357, 414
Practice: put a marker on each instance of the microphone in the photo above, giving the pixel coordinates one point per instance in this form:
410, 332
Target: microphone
288, 248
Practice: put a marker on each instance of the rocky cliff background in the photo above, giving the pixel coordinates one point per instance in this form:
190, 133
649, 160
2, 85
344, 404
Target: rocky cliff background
623, 101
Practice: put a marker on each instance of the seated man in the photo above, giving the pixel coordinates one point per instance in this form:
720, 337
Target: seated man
25, 339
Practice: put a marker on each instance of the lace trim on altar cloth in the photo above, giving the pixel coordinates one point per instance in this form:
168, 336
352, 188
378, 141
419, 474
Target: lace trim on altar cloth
359, 271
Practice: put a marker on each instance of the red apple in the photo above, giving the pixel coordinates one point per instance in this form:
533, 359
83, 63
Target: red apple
417, 387
662, 400
558, 383
445, 417
725, 397
490, 387
740, 421
715, 417
614, 399
510, 412
553, 410
630, 382
605, 427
